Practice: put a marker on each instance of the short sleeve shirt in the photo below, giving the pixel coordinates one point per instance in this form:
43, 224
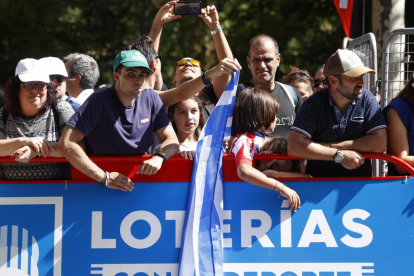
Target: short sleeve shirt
318, 121
41, 125
405, 111
113, 129
245, 145
287, 112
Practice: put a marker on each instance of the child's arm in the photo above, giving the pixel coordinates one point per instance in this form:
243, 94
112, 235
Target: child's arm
278, 174
249, 174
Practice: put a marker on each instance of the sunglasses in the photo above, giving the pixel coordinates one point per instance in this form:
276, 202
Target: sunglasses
59, 78
317, 82
183, 61
158, 56
303, 75
31, 85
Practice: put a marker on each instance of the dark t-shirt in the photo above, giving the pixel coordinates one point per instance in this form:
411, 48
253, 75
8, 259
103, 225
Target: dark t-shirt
112, 129
286, 114
317, 120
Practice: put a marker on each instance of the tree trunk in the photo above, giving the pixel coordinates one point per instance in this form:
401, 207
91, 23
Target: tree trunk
387, 15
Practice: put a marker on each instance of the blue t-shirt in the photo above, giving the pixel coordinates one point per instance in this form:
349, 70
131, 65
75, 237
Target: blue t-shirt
318, 121
112, 129
405, 111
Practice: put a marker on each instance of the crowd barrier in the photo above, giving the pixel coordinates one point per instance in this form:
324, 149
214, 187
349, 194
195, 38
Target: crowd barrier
348, 226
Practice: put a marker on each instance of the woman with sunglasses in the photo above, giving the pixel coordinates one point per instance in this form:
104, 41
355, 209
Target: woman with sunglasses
32, 121
299, 79
319, 82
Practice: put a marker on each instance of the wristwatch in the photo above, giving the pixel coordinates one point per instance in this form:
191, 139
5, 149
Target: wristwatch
206, 80
339, 157
162, 155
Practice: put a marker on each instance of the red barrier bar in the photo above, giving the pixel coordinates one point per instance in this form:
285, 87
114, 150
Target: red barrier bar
178, 169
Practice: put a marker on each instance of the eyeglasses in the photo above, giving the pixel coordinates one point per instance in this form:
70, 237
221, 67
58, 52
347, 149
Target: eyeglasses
59, 78
31, 85
303, 75
183, 61
317, 82
158, 56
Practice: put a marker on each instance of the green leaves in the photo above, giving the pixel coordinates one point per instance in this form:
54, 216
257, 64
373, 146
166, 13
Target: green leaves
307, 31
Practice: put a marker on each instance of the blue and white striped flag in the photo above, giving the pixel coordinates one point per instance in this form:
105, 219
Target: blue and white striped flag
201, 244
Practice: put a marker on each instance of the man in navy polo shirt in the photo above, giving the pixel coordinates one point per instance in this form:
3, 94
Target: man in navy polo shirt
120, 120
337, 123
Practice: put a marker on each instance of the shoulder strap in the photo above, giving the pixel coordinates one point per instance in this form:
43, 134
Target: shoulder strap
56, 117
240, 88
4, 117
290, 92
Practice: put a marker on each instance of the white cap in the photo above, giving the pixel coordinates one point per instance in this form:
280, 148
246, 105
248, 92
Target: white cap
54, 66
30, 69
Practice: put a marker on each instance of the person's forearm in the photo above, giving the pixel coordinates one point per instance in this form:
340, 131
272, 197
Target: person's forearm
223, 51
9, 146
181, 93
222, 46
249, 174
78, 158
169, 147
54, 150
374, 142
155, 34
307, 149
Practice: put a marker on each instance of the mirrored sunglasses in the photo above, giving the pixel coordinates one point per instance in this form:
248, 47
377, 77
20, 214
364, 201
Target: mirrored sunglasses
31, 85
183, 61
59, 78
317, 82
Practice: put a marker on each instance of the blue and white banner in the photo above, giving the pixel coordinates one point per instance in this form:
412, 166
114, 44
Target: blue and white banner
202, 249
344, 228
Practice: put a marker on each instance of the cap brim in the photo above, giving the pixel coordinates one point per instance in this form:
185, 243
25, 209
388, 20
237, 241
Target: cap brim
34, 77
358, 71
136, 64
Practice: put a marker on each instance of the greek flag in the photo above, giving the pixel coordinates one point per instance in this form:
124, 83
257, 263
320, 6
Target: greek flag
201, 244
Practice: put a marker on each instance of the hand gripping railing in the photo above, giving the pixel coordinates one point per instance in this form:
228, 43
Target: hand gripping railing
178, 169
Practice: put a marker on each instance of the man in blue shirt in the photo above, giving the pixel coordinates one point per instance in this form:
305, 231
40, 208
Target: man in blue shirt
337, 123
120, 120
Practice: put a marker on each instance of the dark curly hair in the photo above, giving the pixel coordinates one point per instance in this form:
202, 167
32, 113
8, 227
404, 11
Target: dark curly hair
12, 101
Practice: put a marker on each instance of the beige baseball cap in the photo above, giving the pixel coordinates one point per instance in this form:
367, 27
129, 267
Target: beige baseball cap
345, 62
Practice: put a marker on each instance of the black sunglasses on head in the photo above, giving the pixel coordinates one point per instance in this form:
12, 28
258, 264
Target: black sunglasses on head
317, 82
303, 75
59, 78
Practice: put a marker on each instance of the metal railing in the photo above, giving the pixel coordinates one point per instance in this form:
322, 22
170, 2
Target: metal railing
366, 48
397, 66
398, 63
178, 169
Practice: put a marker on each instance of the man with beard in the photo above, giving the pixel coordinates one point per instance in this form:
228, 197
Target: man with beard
337, 123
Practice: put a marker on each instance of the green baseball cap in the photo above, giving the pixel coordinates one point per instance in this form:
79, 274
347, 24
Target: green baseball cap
131, 58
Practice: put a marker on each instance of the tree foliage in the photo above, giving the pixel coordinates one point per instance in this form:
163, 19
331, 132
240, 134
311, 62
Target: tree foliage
307, 31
